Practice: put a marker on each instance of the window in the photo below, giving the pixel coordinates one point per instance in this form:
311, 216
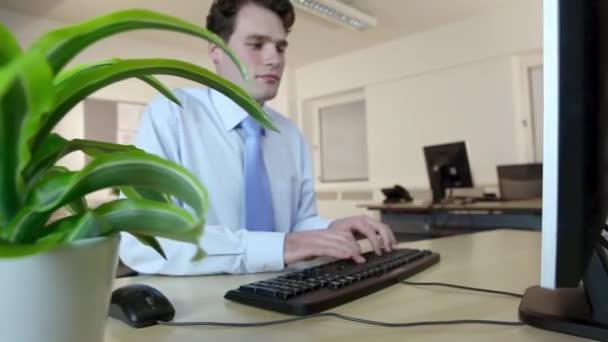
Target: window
343, 142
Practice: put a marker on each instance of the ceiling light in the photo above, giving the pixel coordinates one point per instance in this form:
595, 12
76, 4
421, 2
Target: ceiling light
337, 12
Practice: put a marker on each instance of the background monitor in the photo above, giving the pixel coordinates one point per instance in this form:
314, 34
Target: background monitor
520, 181
575, 180
448, 167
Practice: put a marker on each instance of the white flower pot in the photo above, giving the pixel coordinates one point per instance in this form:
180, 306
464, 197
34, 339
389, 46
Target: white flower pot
61, 295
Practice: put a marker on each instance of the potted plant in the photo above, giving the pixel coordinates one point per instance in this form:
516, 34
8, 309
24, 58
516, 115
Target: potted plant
57, 275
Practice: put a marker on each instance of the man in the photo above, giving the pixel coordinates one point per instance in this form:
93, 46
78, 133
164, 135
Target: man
253, 224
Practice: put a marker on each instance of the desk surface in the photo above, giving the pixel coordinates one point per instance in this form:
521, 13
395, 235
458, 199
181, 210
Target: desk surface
527, 205
502, 259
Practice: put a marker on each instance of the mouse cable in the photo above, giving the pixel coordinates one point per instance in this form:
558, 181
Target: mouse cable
346, 318
517, 295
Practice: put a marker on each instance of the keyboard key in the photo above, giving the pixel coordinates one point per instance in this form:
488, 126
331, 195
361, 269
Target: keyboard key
335, 285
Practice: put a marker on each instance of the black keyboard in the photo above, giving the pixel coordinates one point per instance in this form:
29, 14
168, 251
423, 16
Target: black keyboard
326, 286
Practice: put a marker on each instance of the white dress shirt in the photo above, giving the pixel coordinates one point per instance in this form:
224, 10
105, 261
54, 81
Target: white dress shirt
204, 137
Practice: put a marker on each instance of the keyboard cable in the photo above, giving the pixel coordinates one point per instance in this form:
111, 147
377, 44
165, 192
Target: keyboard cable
366, 321
346, 318
505, 293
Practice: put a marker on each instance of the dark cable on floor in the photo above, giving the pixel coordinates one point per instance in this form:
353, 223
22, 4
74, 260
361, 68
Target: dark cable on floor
346, 318
517, 295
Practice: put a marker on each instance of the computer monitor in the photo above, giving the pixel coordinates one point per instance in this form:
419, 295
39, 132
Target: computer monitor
448, 167
573, 294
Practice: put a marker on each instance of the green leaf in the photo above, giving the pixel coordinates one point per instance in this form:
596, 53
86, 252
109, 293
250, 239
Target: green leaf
9, 49
55, 147
77, 69
118, 169
52, 149
142, 218
76, 227
76, 88
26, 93
151, 218
13, 250
138, 193
163, 89
63, 44
82, 68
86, 225
107, 170
151, 242
94, 148
77, 206
51, 171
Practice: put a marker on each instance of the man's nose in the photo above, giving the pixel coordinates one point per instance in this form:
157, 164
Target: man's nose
272, 55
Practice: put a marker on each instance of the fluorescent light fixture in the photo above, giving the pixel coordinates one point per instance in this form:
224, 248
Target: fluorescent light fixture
337, 12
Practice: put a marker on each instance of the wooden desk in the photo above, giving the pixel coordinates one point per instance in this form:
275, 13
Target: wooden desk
426, 220
501, 259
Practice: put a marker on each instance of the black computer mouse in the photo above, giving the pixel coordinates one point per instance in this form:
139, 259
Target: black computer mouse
140, 305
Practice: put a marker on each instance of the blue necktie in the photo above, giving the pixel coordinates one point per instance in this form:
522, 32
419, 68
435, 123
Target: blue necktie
258, 213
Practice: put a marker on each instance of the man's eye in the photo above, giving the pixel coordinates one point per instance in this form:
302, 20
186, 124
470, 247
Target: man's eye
256, 46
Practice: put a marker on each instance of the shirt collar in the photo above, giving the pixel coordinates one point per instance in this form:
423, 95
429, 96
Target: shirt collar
230, 113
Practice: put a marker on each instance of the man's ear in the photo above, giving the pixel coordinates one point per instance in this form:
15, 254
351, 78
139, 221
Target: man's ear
215, 53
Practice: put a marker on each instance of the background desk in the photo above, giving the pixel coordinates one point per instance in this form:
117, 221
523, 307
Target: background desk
500, 259
415, 220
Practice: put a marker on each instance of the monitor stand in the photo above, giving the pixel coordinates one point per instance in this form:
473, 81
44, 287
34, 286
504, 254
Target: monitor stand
579, 311
437, 187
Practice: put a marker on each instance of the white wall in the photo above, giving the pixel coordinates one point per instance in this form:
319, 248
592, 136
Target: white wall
72, 127
451, 83
471, 103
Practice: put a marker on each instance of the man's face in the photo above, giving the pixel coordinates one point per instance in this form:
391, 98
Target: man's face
259, 40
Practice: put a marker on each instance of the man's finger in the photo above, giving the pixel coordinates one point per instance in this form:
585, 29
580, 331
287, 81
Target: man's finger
388, 238
339, 245
392, 234
367, 230
358, 259
393, 239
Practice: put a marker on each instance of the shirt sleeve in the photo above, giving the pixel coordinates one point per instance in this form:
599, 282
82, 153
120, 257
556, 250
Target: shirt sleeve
227, 250
308, 217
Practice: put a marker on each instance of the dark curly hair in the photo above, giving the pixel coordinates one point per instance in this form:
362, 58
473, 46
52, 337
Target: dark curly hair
222, 15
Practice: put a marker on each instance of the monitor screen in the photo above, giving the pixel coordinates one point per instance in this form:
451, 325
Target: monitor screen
575, 204
448, 167
575, 172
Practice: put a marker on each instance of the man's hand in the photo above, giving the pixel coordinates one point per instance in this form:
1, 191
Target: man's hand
339, 240
363, 226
